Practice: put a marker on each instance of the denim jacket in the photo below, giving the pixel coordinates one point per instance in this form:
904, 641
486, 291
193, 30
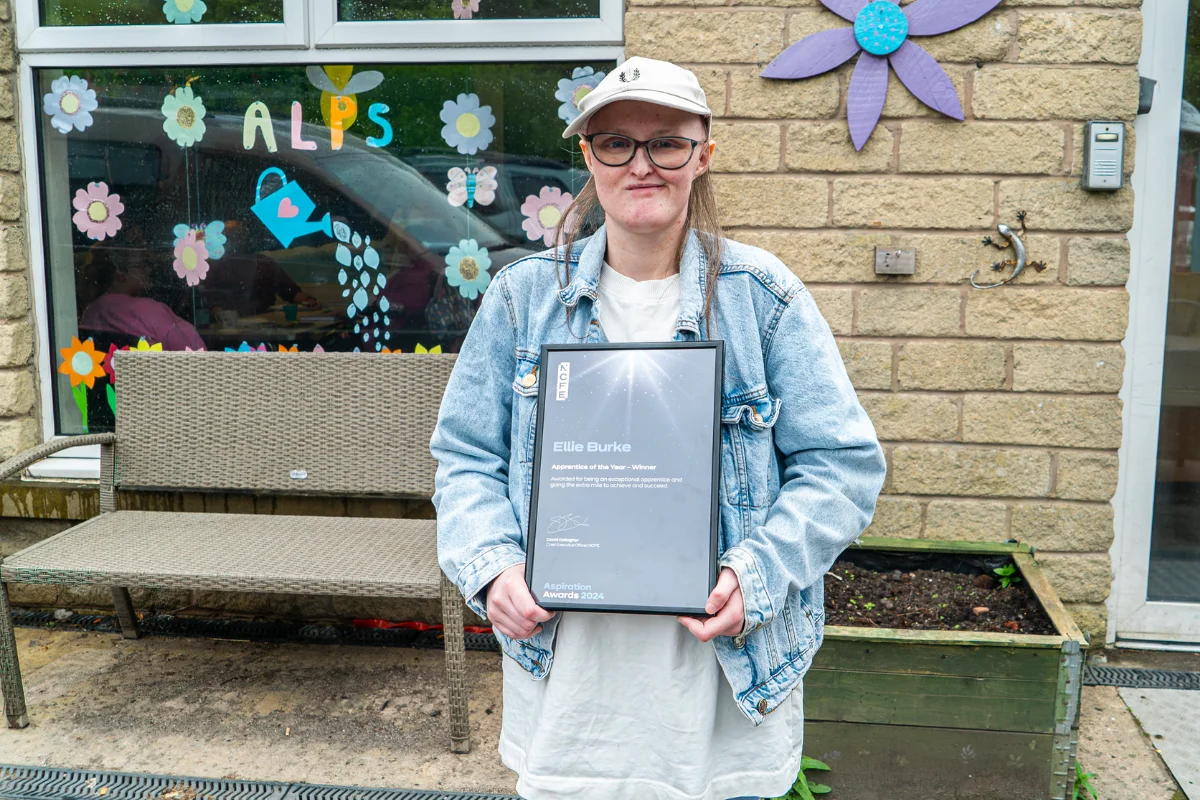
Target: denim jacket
801, 466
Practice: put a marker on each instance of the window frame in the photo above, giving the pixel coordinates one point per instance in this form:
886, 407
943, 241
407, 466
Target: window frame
330, 32
84, 462
34, 37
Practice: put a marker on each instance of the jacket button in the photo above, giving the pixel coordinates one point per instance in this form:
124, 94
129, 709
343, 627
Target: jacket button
762, 706
529, 380
757, 416
739, 640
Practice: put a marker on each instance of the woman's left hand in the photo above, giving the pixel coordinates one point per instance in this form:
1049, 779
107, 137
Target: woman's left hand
725, 603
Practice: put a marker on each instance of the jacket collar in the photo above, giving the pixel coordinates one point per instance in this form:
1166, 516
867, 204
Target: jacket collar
587, 257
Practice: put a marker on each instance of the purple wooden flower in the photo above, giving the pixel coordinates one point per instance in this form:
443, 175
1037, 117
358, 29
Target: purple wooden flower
880, 33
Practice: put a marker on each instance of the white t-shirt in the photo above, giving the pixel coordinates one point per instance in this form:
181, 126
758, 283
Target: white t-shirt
635, 707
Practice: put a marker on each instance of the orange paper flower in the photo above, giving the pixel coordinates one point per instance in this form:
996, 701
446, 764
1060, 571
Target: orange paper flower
81, 362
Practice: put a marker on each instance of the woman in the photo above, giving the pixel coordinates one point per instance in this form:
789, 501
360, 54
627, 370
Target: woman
646, 707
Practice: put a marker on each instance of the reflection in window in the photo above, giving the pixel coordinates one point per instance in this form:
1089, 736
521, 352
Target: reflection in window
208, 208
153, 12
380, 10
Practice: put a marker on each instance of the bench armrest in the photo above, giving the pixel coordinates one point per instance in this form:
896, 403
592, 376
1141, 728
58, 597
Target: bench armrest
22, 460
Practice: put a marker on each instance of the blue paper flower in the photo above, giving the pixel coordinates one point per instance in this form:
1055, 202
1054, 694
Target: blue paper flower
573, 89
468, 125
184, 112
184, 12
467, 266
69, 103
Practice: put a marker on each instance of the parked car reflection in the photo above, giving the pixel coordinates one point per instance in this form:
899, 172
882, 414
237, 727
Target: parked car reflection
261, 291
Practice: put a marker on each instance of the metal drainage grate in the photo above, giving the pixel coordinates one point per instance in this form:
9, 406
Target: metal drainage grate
1141, 678
44, 783
254, 630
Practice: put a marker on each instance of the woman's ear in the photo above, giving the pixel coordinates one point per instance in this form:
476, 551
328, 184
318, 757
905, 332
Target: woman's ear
587, 154
706, 155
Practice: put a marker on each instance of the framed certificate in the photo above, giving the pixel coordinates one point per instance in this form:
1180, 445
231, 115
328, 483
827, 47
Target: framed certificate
623, 511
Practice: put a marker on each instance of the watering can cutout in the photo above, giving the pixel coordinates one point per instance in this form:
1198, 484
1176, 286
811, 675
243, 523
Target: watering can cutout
286, 210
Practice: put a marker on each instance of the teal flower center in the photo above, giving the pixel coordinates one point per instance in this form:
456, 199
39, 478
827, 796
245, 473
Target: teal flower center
880, 27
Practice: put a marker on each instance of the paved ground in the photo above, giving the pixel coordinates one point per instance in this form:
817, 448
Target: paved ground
341, 715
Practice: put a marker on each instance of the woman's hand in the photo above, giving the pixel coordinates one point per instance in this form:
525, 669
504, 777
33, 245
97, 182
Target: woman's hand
510, 606
726, 603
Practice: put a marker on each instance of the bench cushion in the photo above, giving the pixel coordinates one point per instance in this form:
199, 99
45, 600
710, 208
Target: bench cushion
239, 553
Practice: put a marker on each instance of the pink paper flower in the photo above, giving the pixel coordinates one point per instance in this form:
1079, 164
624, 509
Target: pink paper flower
97, 213
463, 9
542, 213
191, 259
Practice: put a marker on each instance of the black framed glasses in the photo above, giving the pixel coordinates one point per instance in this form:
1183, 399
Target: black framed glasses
665, 152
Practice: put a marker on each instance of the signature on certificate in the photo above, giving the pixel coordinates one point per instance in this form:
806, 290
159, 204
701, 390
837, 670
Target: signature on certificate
565, 523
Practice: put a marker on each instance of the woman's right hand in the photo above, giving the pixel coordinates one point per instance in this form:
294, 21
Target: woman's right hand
511, 607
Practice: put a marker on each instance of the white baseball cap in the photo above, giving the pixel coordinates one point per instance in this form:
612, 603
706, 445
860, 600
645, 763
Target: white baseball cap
645, 79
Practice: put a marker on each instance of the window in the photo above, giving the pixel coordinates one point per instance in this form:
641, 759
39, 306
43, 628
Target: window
350, 199
241, 206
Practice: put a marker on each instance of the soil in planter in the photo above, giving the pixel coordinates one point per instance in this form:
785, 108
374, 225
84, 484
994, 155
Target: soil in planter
930, 599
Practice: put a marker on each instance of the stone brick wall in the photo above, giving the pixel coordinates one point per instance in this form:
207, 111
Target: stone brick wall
18, 421
998, 409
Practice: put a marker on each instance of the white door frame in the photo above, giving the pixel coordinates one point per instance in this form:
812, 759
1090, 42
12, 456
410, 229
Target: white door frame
1132, 619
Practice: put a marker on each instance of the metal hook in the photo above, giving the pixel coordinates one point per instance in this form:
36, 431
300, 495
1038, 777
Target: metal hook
1018, 246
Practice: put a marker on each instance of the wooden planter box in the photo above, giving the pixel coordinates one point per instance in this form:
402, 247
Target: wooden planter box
905, 714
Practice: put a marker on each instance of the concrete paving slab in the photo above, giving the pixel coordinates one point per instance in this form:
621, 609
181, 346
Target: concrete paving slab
1171, 717
1113, 746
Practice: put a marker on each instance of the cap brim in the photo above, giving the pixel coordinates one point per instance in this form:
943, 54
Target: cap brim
646, 96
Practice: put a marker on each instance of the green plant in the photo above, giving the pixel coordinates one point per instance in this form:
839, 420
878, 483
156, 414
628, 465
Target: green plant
1007, 575
1083, 787
869, 606
803, 788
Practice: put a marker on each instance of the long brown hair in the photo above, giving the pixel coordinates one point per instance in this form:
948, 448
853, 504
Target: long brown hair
583, 217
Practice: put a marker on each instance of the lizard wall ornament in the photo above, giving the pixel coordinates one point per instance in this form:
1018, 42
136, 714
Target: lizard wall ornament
1018, 263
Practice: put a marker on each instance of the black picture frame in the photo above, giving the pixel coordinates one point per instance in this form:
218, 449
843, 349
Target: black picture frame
545, 385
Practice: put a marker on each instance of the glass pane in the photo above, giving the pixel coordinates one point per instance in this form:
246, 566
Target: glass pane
152, 12
1175, 538
377, 10
269, 206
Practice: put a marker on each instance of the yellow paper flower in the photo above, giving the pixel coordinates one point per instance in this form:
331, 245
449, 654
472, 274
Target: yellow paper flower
437, 348
146, 347
81, 362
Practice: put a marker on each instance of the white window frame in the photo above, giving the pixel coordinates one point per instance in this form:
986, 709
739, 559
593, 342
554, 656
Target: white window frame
329, 32
287, 43
33, 37
1133, 620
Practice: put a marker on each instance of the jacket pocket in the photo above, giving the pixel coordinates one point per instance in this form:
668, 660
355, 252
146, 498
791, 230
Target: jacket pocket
525, 398
748, 465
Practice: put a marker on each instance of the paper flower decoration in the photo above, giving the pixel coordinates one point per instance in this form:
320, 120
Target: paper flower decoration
184, 112
294, 349
437, 348
245, 347
70, 104
212, 234
542, 213
463, 9
468, 125
191, 259
184, 12
573, 89
81, 362
467, 266
97, 213
880, 33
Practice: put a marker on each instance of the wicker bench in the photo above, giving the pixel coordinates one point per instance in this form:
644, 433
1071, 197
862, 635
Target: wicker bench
316, 424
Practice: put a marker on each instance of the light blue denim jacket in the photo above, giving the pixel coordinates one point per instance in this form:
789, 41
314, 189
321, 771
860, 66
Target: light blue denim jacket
801, 466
